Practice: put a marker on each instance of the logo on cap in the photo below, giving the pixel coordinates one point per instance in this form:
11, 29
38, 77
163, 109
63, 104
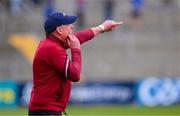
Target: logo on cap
64, 14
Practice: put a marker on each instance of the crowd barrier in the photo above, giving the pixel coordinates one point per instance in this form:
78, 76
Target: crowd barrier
158, 91
8, 93
151, 91
103, 92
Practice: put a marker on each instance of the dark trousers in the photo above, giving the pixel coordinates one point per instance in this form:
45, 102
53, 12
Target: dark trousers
44, 112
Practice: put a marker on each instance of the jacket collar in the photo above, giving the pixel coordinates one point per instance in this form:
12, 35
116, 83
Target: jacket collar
54, 38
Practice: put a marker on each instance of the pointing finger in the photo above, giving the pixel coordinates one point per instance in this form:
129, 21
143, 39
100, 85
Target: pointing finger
120, 23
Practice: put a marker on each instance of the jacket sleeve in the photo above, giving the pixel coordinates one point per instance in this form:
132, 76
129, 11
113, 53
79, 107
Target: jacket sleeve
84, 35
58, 61
73, 67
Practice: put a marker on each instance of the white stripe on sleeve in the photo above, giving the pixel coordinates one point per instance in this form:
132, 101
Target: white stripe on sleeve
66, 68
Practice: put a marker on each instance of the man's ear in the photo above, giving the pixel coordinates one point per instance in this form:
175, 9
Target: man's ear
59, 30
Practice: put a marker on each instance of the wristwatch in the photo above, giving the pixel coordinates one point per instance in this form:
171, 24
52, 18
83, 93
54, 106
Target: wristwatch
102, 28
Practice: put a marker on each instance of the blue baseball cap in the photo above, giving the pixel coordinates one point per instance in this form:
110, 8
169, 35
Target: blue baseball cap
57, 19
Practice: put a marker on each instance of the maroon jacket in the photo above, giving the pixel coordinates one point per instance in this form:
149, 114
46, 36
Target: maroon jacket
53, 72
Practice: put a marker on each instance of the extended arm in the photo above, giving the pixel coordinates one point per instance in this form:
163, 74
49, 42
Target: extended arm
88, 34
73, 69
108, 25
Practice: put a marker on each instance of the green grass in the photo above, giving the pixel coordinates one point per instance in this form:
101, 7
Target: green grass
109, 110
123, 110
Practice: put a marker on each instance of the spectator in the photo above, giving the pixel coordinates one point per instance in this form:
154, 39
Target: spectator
15, 6
80, 11
136, 11
109, 9
167, 2
4, 4
38, 2
49, 8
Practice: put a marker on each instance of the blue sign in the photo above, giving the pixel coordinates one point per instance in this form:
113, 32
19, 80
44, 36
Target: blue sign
158, 91
25, 93
8, 93
105, 92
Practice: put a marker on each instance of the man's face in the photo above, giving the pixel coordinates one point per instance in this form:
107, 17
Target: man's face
65, 30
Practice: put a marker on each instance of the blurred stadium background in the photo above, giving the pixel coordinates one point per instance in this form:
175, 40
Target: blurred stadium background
134, 70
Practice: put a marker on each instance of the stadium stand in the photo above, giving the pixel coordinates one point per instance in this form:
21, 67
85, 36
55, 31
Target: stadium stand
151, 49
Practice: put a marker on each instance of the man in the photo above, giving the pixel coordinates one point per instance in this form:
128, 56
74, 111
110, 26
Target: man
53, 71
137, 6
